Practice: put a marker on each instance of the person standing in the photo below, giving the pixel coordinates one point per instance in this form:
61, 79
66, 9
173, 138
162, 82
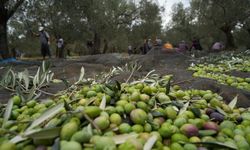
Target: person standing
141, 49
60, 47
196, 44
90, 46
182, 47
150, 44
145, 47
44, 41
158, 42
130, 50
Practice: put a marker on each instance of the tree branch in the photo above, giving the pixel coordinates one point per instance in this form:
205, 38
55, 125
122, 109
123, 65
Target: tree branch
128, 17
221, 6
14, 8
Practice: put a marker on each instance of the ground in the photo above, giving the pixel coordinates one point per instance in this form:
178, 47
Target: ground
162, 63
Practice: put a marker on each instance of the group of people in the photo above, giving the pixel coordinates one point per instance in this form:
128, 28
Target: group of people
45, 44
146, 46
144, 49
183, 46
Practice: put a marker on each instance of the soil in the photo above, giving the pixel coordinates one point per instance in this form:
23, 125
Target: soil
162, 63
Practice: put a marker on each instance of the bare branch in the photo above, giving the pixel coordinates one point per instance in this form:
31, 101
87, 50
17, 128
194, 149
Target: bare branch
127, 20
14, 8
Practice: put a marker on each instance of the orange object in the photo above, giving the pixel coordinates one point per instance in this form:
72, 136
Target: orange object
168, 46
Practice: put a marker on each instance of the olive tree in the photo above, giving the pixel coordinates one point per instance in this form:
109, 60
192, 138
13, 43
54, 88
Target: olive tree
7, 10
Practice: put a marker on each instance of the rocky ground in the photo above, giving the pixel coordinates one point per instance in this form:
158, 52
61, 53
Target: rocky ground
162, 63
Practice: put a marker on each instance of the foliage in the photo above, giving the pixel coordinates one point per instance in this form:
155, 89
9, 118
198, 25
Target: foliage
26, 86
114, 24
211, 21
110, 24
181, 26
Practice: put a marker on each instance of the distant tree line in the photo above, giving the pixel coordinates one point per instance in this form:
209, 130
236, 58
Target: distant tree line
112, 25
227, 21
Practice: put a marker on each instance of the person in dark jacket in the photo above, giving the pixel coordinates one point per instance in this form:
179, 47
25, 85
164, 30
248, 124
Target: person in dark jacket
196, 44
45, 42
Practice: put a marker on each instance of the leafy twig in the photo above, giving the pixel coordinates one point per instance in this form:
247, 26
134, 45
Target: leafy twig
91, 121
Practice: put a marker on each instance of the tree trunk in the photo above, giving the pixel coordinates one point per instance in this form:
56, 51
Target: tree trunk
229, 37
5, 15
230, 41
4, 51
248, 30
97, 44
105, 48
248, 44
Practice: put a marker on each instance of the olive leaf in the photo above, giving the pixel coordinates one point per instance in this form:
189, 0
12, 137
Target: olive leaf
7, 112
108, 91
45, 66
89, 129
49, 76
118, 85
37, 95
18, 139
119, 139
57, 81
20, 93
103, 102
36, 77
66, 106
13, 79
31, 94
24, 85
233, 103
46, 115
5, 77
42, 79
25, 77
168, 86
56, 145
217, 144
150, 143
196, 111
66, 83
184, 108
81, 74
221, 111
178, 104
44, 133
109, 86
229, 65
207, 132
157, 114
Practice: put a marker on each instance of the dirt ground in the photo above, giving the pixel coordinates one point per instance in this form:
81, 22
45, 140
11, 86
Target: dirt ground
171, 63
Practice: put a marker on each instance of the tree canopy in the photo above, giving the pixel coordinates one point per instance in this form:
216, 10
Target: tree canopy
212, 20
112, 25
